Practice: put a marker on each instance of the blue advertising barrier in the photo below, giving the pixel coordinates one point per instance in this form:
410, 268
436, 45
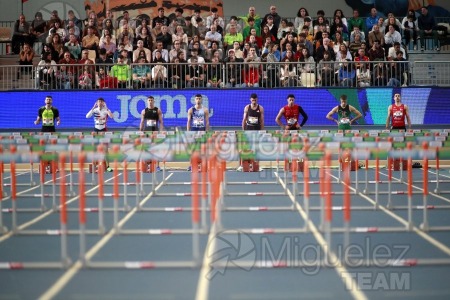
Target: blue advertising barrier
19, 109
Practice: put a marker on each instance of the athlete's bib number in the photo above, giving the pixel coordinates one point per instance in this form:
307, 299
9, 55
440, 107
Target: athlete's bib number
100, 121
253, 120
47, 122
398, 114
345, 121
198, 122
292, 121
151, 123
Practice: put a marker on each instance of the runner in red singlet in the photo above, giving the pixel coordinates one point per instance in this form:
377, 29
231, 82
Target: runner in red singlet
397, 113
291, 113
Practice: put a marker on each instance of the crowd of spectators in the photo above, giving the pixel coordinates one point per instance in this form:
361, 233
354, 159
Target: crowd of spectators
247, 51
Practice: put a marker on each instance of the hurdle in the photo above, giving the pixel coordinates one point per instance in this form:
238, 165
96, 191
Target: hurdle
3, 229
195, 209
425, 226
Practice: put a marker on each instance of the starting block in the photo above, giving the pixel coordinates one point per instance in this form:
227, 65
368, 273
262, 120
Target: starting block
346, 161
149, 166
93, 167
47, 168
250, 165
399, 163
288, 165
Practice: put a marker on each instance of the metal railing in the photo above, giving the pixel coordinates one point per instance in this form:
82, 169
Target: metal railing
225, 75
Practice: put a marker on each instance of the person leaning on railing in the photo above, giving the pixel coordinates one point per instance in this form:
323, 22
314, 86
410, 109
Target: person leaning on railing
122, 72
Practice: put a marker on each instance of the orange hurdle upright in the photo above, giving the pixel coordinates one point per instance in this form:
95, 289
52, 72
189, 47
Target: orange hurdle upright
424, 226
195, 161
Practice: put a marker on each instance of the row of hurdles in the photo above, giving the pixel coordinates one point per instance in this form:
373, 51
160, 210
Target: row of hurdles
208, 184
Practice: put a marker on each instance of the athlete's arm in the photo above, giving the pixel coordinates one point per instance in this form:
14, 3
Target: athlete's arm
89, 114
278, 118
356, 113
58, 120
304, 115
189, 117
388, 119
407, 116
160, 119
245, 117
261, 110
331, 113
38, 119
141, 126
206, 119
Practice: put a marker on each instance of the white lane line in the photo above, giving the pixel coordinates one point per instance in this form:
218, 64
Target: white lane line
347, 279
45, 214
77, 266
403, 221
203, 282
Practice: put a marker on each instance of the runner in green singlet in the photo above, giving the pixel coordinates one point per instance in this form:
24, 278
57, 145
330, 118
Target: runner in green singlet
344, 112
48, 114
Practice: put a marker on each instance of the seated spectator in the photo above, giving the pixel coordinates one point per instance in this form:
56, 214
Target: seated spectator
343, 34
214, 17
103, 61
307, 69
108, 25
231, 37
161, 18
56, 29
392, 52
288, 48
326, 70
164, 53
347, 75
237, 50
190, 29
145, 36
376, 35
211, 51
68, 60
252, 69
427, 27
289, 38
202, 29
212, 36
144, 24
93, 25
337, 23
272, 56
106, 32
159, 71
180, 36
57, 47
233, 22
177, 72
251, 25
74, 47
357, 30
355, 45
198, 58
122, 72
379, 74
39, 28
176, 49
288, 71
142, 74
326, 47
343, 54
26, 56
410, 26
109, 46
125, 31
391, 37
103, 80
54, 18
376, 52
179, 17
372, 19
214, 77
127, 20
321, 21
299, 20
90, 41
140, 47
304, 43
21, 35
195, 76
234, 70
46, 71
391, 20
363, 76
338, 41
64, 79
85, 80
254, 43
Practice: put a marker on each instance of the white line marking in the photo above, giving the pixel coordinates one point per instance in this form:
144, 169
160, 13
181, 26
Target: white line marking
69, 274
